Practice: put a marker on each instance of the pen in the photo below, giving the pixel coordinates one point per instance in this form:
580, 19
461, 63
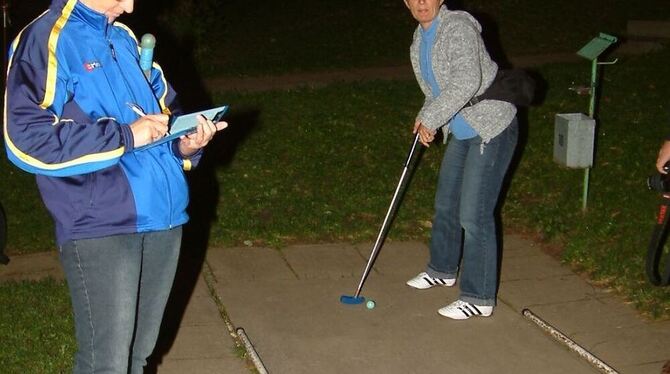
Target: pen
137, 109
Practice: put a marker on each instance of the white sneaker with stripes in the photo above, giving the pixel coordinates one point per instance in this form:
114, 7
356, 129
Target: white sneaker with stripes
424, 281
460, 309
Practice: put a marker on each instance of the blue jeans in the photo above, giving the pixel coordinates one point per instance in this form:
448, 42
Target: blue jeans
464, 227
119, 286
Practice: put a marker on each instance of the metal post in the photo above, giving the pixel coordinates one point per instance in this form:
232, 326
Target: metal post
591, 51
592, 109
5, 25
594, 82
3, 218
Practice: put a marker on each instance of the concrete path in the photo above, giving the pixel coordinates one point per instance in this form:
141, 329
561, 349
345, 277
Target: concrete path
323, 78
288, 303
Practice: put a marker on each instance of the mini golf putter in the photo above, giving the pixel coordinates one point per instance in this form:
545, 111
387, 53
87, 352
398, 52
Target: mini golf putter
357, 298
352, 300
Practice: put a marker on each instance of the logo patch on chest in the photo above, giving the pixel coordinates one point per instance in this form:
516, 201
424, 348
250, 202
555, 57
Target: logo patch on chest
90, 66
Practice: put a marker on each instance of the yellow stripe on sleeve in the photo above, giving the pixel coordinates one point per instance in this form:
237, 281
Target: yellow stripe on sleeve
52, 70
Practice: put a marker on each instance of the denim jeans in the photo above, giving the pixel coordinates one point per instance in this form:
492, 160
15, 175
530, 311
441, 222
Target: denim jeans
119, 286
464, 227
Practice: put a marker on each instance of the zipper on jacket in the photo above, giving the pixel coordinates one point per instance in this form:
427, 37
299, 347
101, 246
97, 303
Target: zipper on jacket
111, 47
165, 176
121, 72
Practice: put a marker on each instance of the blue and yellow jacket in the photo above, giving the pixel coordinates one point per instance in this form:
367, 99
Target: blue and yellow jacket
70, 78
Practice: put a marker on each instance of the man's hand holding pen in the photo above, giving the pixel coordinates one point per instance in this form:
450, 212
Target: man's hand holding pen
149, 127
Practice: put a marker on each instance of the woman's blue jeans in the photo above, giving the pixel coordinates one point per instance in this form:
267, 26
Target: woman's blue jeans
464, 227
119, 286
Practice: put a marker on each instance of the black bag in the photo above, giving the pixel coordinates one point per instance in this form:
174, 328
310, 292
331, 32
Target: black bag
515, 86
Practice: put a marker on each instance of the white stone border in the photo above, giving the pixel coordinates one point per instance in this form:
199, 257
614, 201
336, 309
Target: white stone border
562, 338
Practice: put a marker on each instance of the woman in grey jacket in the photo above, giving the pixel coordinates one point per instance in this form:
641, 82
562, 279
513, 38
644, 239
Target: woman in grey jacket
452, 66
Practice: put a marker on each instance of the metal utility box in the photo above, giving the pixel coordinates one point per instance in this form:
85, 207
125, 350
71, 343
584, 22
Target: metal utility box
574, 137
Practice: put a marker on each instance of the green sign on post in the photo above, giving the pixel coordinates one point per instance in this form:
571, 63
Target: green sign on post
597, 46
591, 51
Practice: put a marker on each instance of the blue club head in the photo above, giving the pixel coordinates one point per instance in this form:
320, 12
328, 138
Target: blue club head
352, 300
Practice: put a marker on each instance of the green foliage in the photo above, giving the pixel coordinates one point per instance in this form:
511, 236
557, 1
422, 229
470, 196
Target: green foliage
29, 227
237, 37
609, 240
526, 27
192, 23
320, 165
36, 331
280, 36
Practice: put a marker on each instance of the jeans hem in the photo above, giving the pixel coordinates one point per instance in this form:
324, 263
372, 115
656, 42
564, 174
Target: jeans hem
438, 274
478, 301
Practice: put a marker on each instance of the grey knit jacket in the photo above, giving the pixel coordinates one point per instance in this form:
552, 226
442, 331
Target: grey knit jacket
463, 69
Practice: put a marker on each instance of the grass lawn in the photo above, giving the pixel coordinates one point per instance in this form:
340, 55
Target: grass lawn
236, 38
609, 241
36, 331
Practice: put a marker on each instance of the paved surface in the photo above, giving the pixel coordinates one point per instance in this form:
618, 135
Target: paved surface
322, 78
288, 303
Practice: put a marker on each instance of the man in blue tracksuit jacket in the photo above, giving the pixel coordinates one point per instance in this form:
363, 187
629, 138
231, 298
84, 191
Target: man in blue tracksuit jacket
73, 74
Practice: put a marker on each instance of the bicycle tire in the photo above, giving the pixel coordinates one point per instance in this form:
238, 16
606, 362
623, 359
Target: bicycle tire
653, 264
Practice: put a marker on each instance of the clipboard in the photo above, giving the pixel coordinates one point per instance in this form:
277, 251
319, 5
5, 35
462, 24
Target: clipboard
186, 124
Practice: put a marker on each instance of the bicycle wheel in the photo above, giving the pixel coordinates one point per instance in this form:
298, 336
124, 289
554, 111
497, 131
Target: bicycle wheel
657, 252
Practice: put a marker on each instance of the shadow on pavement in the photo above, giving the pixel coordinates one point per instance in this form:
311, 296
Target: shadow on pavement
176, 59
204, 197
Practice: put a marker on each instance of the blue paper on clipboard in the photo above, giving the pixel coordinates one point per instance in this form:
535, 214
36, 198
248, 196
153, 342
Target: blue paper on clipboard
186, 124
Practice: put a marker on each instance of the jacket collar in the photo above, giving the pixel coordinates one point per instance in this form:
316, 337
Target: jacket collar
96, 20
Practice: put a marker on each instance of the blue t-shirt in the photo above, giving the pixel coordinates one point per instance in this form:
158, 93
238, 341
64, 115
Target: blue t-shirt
458, 125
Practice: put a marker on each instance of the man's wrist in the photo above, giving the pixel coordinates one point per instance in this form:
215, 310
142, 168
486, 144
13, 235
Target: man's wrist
187, 154
180, 151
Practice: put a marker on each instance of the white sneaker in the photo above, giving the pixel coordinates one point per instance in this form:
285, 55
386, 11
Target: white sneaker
459, 309
424, 281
